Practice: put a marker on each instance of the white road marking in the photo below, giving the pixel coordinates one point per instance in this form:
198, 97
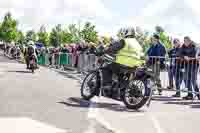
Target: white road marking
91, 128
26, 125
155, 123
106, 124
93, 110
94, 114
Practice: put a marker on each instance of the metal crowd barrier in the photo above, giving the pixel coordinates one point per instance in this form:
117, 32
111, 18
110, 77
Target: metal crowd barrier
177, 73
15, 54
80, 62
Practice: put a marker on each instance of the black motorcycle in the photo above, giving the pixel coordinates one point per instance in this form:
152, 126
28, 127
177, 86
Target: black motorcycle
32, 63
133, 86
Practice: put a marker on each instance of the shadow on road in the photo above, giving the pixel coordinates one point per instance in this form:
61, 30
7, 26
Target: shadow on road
19, 71
71, 76
195, 106
177, 101
183, 103
80, 103
165, 98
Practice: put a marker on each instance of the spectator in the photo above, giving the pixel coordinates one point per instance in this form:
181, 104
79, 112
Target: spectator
56, 57
172, 66
64, 50
82, 59
91, 57
50, 56
72, 55
187, 54
156, 58
91, 48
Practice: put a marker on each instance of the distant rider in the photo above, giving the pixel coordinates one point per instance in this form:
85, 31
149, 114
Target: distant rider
29, 52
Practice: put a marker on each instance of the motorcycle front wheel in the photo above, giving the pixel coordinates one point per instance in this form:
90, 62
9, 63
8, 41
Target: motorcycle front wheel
136, 94
90, 86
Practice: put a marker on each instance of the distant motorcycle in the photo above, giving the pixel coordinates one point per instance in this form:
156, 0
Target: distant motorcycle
32, 64
133, 86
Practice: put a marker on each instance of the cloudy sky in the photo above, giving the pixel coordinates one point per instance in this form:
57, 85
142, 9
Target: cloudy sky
178, 17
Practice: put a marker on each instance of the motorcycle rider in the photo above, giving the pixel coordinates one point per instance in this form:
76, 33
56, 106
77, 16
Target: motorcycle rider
29, 52
127, 53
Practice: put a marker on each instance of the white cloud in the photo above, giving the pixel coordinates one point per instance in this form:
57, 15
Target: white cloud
32, 13
88, 8
194, 4
155, 7
180, 17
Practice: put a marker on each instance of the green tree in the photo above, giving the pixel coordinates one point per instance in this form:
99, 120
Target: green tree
8, 29
1, 35
88, 33
120, 33
67, 37
55, 38
20, 38
159, 29
75, 32
31, 36
106, 40
143, 38
43, 36
163, 37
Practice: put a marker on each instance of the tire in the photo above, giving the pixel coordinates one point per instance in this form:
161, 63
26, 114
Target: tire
95, 90
32, 70
143, 100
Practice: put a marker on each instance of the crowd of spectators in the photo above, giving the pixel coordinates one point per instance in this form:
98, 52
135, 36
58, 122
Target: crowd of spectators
183, 64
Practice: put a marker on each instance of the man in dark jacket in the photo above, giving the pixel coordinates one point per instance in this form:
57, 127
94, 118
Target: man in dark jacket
156, 57
190, 65
156, 52
172, 66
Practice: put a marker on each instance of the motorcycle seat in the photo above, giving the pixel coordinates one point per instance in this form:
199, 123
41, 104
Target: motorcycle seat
125, 68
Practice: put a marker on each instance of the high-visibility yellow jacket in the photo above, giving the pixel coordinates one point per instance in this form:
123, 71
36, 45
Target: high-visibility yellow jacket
131, 53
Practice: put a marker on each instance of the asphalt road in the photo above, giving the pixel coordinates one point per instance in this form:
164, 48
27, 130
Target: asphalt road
41, 100
49, 101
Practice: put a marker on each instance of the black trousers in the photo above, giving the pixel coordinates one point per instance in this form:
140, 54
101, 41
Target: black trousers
108, 71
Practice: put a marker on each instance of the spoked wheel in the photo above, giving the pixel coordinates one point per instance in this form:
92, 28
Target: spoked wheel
90, 86
134, 96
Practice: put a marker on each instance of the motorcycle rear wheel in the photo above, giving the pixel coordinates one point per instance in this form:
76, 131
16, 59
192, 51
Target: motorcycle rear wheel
32, 65
134, 92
